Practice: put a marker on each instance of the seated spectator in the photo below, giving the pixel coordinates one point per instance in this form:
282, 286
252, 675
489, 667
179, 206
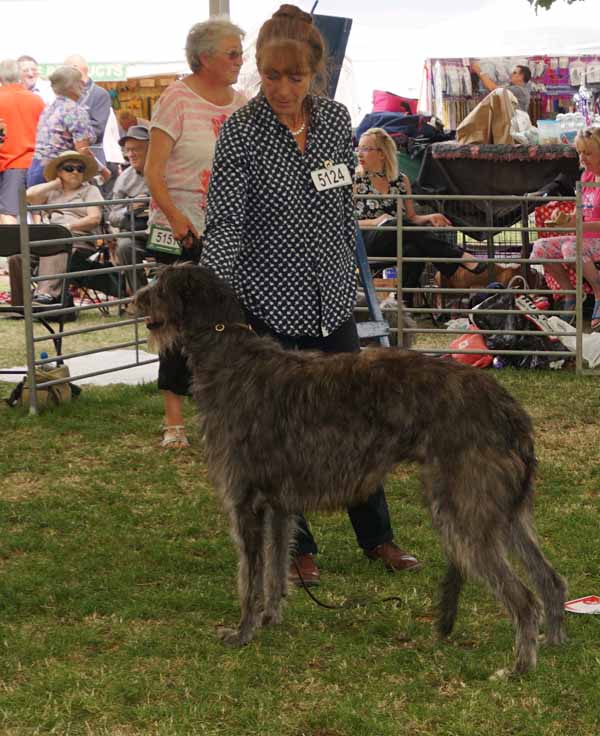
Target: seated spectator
126, 119
67, 182
129, 185
378, 173
587, 143
63, 125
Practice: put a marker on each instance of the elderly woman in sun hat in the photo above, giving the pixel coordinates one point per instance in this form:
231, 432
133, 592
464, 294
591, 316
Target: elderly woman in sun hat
68, 178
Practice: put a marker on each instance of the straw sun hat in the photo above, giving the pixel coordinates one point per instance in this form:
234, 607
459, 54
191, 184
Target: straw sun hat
51, 168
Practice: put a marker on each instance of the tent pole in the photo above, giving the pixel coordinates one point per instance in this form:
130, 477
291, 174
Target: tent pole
218, 7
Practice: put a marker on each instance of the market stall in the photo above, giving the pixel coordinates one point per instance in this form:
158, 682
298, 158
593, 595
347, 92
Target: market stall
450, 90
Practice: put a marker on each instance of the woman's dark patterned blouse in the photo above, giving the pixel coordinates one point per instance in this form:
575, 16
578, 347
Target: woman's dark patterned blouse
287, 249
370, 209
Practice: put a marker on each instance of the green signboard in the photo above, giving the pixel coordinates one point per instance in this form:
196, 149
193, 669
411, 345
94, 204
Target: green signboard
99, 71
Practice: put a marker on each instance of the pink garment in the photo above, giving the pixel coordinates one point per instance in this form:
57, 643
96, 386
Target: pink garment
194, 124
564, 246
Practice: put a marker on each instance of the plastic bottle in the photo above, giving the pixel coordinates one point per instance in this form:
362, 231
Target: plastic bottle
46, 366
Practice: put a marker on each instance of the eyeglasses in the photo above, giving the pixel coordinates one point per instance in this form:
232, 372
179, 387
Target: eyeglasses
70, 168
366, 149
232, 55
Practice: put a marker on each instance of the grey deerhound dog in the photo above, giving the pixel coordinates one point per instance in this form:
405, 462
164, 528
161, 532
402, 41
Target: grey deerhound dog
291, 431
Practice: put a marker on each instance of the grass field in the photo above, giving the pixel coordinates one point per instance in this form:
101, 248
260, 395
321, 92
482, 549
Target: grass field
116, 568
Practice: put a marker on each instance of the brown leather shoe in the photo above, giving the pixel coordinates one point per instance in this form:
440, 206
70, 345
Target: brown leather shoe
394, 558
305, 566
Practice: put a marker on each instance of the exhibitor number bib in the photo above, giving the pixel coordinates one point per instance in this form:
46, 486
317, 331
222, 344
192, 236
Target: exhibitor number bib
331, 176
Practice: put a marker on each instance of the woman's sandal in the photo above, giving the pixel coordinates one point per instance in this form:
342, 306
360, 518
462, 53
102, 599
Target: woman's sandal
595, 323
174, 437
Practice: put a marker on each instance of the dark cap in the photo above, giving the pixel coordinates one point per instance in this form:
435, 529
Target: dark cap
137, 132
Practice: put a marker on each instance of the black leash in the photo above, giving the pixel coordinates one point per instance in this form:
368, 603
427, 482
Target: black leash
350, 602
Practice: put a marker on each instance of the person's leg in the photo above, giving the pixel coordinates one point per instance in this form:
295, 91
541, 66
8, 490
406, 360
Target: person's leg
11, 183
35, 173
428, 245
126, 255
591, 252
553, 248
174, 383
383, 244
50, 265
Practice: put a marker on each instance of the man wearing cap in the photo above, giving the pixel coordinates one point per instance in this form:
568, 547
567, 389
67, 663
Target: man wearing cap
129, 185
20, 110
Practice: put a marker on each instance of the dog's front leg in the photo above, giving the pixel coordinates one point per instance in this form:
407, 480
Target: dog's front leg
247, 529
279, 530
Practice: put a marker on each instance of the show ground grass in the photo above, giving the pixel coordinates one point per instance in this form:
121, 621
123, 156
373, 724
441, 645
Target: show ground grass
116, 568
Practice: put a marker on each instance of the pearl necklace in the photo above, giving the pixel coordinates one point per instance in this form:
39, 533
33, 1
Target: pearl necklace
300, 130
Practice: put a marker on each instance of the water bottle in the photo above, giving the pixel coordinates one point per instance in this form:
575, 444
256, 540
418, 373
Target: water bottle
46, 366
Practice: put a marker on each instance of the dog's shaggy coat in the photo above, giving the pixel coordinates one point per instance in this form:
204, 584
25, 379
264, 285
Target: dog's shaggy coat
291, 431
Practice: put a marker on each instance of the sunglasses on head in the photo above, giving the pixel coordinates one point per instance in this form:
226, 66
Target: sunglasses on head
70, 168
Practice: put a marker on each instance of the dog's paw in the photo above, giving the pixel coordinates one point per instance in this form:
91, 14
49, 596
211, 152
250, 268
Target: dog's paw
555, 638
232, 637
502, 674
270, 618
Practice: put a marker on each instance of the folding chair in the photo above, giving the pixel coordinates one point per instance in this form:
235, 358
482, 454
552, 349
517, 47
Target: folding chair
10, 245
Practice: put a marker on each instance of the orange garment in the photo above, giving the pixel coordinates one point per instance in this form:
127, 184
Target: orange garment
20, 110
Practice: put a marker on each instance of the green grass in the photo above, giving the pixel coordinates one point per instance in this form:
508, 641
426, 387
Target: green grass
116, 568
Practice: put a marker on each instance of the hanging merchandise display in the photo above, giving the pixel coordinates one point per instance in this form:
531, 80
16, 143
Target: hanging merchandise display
559, 85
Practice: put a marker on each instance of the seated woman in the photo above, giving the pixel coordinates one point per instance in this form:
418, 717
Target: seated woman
378, 173
587, 143
67, 181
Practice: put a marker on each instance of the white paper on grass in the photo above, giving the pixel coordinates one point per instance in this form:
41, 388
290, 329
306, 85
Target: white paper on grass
587, 604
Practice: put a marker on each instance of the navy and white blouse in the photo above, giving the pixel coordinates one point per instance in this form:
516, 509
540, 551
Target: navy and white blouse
370, 209
287, 249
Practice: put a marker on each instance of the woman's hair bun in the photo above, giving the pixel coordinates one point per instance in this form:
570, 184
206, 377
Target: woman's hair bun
291, 11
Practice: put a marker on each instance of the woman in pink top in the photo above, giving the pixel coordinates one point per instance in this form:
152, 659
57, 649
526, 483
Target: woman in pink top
587, 143
183, 131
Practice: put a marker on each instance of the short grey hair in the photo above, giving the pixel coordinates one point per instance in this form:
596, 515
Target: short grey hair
63, 78
204, 38
10, 72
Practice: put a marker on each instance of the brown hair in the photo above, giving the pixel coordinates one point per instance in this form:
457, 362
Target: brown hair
290, 36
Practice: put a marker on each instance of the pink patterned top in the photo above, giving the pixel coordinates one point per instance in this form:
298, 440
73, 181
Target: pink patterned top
591, 203
194, 124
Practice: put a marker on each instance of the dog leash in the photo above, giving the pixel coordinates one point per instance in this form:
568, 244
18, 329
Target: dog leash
349, 602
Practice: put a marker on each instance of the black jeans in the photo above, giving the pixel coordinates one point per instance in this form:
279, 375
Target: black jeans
371, 519
382, 244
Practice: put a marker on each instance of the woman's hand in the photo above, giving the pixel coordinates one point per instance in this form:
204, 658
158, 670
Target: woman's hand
438, 220
181, 227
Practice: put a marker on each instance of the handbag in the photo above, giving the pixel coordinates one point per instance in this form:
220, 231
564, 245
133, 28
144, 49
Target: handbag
472, 340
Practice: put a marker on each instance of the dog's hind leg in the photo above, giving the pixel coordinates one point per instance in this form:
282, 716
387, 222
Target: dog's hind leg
550, 586
448, 605
277, 560
489, 563
247, 522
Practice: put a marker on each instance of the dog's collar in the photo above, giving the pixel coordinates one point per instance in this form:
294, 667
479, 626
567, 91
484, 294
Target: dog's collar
221, 326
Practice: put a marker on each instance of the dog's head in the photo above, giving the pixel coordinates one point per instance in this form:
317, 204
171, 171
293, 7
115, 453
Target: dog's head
184, 296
